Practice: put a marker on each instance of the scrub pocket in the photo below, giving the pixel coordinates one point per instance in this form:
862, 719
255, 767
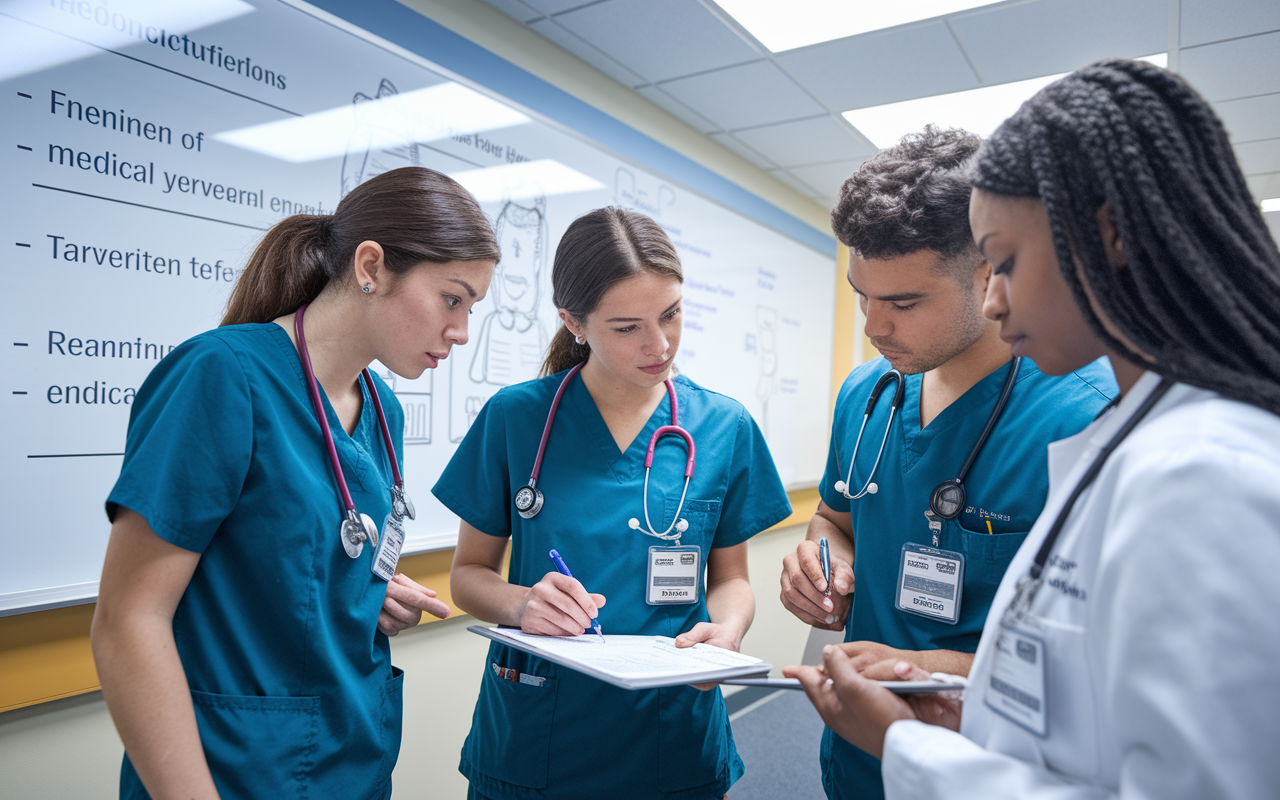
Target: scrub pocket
693, 743
258, 747
510, 739
392, 724
986, 557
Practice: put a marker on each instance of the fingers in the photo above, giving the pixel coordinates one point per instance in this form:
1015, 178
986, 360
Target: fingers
700, 633
558, 606
841, 577
906, 671
410, 594
802, 597
809, 559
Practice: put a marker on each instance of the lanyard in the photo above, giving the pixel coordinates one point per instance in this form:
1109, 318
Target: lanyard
355, 529
1030, 583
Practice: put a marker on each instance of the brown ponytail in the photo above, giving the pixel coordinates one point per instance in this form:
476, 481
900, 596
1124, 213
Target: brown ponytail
601, 249
416, 214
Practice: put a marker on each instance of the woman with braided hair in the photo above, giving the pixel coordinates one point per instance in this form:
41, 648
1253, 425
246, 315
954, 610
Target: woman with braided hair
1130, 647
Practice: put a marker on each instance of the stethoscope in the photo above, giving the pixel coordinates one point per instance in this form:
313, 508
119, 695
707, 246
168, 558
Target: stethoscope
356, 528
947, 498
1028, 585
529, 499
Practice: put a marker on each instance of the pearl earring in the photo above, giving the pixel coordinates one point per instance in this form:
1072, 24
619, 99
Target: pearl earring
580, 339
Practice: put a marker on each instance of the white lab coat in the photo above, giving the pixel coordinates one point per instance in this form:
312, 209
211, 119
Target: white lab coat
1162, 635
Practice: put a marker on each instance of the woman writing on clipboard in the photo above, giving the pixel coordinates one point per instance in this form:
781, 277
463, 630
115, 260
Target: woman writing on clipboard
1131, 649
562, 463
242, 620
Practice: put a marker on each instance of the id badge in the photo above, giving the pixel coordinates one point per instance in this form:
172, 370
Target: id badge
1016, 686
387, 554
930, 582
675, 575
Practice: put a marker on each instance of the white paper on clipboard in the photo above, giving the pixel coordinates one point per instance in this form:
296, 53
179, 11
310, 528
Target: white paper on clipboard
633, 662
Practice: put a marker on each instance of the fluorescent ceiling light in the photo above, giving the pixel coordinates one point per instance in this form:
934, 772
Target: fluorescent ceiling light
783, 26
114, 26
392, 120
978, 111
524, 181
1271, 204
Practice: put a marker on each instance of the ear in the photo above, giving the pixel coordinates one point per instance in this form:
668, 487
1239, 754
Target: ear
572, 324
982, 277
369, 266
1110, 233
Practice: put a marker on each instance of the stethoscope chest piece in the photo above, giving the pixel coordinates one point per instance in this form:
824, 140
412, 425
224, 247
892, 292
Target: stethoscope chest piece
528, 501
356, 530
947, 499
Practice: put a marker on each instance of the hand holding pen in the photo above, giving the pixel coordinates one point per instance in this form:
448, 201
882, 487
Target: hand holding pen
558, 605
563, 569
816, 584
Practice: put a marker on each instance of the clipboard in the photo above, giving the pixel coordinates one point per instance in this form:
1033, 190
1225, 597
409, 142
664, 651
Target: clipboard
897, 687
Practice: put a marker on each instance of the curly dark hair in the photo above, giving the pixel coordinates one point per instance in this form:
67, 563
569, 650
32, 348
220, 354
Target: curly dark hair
1200, 288
913, 196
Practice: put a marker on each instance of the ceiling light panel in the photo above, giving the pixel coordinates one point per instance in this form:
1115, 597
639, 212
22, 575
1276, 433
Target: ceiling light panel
978, 111
786, 26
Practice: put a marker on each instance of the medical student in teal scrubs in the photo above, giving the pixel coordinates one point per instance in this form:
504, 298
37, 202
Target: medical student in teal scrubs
542, 731
906, 584
241, 627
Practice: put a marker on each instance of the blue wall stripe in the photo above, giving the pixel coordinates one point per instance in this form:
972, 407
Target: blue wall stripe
407, 28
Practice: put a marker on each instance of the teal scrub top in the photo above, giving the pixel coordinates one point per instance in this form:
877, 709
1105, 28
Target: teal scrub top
292, 683
1007, 486
575, 736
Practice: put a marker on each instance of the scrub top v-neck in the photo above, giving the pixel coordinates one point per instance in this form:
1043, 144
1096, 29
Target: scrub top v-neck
531, 741
1006, 488
292, 684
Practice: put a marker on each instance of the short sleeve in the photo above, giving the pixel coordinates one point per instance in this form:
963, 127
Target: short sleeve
834, 500
190, 444
755, 498
478, 473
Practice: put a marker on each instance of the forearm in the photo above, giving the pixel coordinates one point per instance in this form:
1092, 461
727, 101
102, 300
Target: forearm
482, 592
951, 662
732, 604
146, 691
841, 544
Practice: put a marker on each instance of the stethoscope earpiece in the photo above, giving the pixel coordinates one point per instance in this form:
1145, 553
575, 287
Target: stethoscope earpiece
840, 486
682, 525
633, 524
872, 488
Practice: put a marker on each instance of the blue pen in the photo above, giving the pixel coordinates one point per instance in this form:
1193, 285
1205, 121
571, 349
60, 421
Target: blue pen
563, 569
824, 553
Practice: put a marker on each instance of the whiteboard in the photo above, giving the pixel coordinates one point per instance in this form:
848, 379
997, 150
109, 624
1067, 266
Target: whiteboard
156, 142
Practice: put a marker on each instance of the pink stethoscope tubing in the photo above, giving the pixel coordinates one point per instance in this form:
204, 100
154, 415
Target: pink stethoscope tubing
529, 500
353, 529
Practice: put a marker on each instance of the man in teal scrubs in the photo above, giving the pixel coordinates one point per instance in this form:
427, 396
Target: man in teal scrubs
921, 283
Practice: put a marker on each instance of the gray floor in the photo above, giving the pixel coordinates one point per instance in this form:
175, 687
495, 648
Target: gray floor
778, 740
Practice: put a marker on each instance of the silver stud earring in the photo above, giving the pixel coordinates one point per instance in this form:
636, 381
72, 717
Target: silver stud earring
580, 339
368, 287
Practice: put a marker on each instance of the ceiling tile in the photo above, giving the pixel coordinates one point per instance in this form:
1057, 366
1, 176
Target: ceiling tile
1264, 186
807, 141
799, 185
664, 100
745, 95
1259, 157
1214, 20
586, 52
659, 39
1237, 68
515, 8
557, 6
741, 149
882, 67
1273, 222
1029, 40
1251, 118
827, 178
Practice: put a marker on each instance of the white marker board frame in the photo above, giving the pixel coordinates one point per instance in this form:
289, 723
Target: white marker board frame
134, 230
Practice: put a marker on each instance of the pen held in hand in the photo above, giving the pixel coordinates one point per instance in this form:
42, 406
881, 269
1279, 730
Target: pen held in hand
824, 553
563, 569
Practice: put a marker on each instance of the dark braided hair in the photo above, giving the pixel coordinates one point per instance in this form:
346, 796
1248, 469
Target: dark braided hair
1200, 290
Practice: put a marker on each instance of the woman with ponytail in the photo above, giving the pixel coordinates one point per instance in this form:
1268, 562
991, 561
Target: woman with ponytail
242, 623
1132, 647
541, 731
